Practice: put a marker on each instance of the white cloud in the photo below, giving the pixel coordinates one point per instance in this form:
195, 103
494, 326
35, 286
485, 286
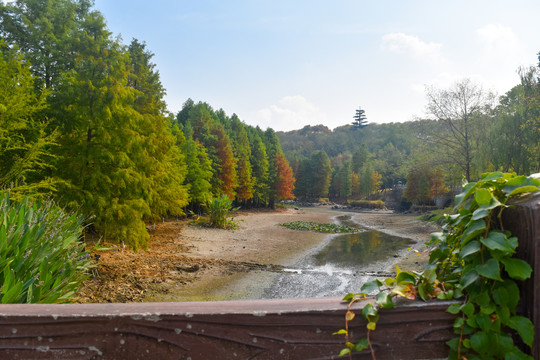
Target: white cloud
498, 37
411, 45
291, 113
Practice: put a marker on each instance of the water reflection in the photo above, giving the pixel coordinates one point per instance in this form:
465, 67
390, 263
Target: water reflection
342, 266
353, 250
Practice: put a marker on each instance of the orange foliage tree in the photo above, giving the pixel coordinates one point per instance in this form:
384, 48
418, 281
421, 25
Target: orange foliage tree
285, 184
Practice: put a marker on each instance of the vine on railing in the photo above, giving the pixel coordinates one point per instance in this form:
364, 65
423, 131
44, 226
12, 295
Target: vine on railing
471, 260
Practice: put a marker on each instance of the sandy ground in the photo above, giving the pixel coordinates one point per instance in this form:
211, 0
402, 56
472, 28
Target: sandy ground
190, 263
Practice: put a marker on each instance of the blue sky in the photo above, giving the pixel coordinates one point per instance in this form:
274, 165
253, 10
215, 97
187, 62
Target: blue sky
286, 64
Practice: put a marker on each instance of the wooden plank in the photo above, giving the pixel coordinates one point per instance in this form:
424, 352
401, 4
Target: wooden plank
262, 329
523, 220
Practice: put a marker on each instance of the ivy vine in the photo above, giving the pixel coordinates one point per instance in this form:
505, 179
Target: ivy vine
471, 260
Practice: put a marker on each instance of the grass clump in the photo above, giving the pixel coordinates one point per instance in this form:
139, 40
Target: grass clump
367, 204
41, 257
437, 216
319, 227
218, 212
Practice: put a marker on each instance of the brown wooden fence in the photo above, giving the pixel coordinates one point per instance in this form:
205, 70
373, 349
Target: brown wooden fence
262, 329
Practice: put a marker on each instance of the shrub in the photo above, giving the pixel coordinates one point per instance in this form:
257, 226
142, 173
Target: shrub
218, 211
41, 257
368, 204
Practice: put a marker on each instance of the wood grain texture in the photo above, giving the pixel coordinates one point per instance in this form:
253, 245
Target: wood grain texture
264, 329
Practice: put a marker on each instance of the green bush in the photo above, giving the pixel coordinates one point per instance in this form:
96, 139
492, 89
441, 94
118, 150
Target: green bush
41, 257
218, 211
368, 204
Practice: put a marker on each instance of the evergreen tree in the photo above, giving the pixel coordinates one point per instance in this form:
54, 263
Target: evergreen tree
199, 172
303, 179
321, 172
259, 166
244, 189
345, 181
160, 159
24, 146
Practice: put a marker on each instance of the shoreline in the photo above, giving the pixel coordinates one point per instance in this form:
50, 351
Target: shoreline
190, 263
219, 284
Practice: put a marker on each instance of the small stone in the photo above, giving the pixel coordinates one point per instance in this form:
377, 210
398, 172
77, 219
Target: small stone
188, 268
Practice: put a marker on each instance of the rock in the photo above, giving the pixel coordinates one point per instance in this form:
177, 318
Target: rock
188, 268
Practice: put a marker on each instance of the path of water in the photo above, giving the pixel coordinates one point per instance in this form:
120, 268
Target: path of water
342, 265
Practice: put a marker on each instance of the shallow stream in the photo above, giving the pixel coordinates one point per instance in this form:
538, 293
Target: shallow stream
340, 266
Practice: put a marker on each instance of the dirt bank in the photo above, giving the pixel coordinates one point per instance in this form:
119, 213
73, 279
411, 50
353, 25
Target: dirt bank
187, 262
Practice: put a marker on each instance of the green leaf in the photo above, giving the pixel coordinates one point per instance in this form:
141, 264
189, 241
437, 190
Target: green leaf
467, 190
489, 270
500, 295
453, 344
480, 342
517, 268
372, 325
404, 277
361, 345
492, 176
484, 321
344, 352
519, 182
454, 309
479, 214
524, 327
517, 354
483, 197
522, 190
470, 248
468, 278
497, 241
340, 332
468, 309
368, 311
474, 229
385, 300
371, 285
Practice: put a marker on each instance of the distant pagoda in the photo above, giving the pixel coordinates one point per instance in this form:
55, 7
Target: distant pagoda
360, 119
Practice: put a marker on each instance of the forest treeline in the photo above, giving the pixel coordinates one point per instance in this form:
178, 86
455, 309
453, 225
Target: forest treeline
83, 121
467, 131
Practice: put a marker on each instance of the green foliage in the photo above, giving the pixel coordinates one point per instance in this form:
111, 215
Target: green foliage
42, 259
218, 211
368, 204
25, 146
314, 226
472, 260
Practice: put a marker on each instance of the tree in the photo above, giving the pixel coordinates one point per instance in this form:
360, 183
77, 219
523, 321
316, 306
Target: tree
456, 109
244, 189
259, 166
360, 119
321, 172
303, 183
159, 158
199, 173
227, 175
341, 184
360, 157
424, 184
45, 31
285, 184
24, 145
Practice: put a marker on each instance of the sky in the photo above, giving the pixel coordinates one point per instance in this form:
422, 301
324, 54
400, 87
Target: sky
285, 64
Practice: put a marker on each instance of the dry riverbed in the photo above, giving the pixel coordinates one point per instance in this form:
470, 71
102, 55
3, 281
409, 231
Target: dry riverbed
188, 263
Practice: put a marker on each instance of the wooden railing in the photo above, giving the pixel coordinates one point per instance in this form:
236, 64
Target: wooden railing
262, 329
